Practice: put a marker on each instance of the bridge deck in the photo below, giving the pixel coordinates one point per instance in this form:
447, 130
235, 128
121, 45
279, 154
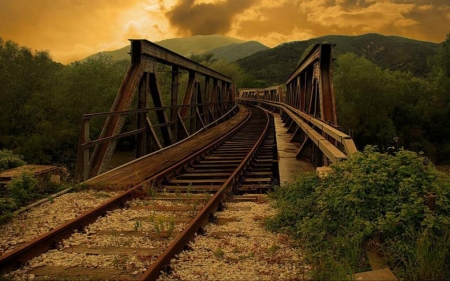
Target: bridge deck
290, 167
145, 167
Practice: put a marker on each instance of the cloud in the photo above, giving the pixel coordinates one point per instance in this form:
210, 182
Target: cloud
301, 20
74, 29
191, 18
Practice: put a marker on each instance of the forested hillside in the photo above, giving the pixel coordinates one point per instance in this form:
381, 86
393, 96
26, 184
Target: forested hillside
233, 52
41, 102
389, 52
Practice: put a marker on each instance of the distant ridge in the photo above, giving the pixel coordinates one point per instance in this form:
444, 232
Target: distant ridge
388, 52
227, 48
236, 51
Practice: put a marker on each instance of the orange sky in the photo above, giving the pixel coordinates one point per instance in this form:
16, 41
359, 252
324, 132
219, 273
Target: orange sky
74, 29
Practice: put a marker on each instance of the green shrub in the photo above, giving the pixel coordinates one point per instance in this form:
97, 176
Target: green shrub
8, 160
372, 198
23, 188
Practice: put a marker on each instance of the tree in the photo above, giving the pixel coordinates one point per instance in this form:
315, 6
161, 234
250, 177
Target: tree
364, 100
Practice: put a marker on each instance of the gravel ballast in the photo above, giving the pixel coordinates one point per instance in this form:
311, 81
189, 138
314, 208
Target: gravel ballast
45, 217
245, 250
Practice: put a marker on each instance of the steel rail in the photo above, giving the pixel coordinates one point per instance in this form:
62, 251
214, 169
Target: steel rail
202, 218
214, 123
41, 244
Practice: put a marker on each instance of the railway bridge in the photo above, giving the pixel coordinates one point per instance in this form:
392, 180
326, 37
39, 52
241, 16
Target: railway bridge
195, 132
175, 101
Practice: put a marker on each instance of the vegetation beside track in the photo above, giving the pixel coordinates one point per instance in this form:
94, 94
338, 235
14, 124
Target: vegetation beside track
371, 200
23, 189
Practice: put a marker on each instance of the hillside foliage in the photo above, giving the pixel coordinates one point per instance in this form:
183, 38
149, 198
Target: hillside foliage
41, 102
388, 52
395, 109
372, 200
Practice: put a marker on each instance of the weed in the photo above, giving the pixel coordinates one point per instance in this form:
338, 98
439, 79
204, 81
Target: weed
137, 225
194, 208
101, 195
9, 160
219, 253
273, 249
23, 188
149, 189
163, 228
248, 256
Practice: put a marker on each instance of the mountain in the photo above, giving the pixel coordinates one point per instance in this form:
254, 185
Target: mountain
237, 51
225, 47
388, 52
197, 44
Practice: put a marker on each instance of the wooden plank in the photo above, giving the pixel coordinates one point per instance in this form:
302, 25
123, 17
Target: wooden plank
223, 221
202, 181
113, 251
212, 162
164, 208
221, 157
212, 170
215, 165
226, 234
191, 188
259, 174
35, 169
165, 219
92, 273
203, 175
244, 198
130, 233
257, 180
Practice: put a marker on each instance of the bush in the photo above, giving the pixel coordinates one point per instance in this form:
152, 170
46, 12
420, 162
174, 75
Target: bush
372, 198
8, 160
23, 188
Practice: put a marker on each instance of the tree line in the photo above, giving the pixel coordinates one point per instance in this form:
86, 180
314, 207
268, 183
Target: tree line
395, 109
42, 101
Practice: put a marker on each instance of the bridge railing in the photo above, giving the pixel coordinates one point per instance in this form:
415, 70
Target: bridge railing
155, 77
309, 109
274, 93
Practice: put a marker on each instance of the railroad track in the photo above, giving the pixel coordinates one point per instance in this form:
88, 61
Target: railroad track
135, 235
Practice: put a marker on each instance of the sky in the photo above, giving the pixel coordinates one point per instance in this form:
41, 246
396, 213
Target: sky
74, 29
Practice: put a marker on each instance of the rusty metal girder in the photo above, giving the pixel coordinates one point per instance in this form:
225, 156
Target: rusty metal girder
145, 58
274, 93
309, 108
310, 86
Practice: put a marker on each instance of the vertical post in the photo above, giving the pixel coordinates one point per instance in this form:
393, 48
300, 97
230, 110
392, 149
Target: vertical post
431, 200
174, 99
207, 99
194, 105
86, 150
328, 105
141, 140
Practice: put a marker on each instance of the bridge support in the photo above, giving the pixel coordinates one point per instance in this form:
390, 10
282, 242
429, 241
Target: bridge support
157, 126
309, 109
